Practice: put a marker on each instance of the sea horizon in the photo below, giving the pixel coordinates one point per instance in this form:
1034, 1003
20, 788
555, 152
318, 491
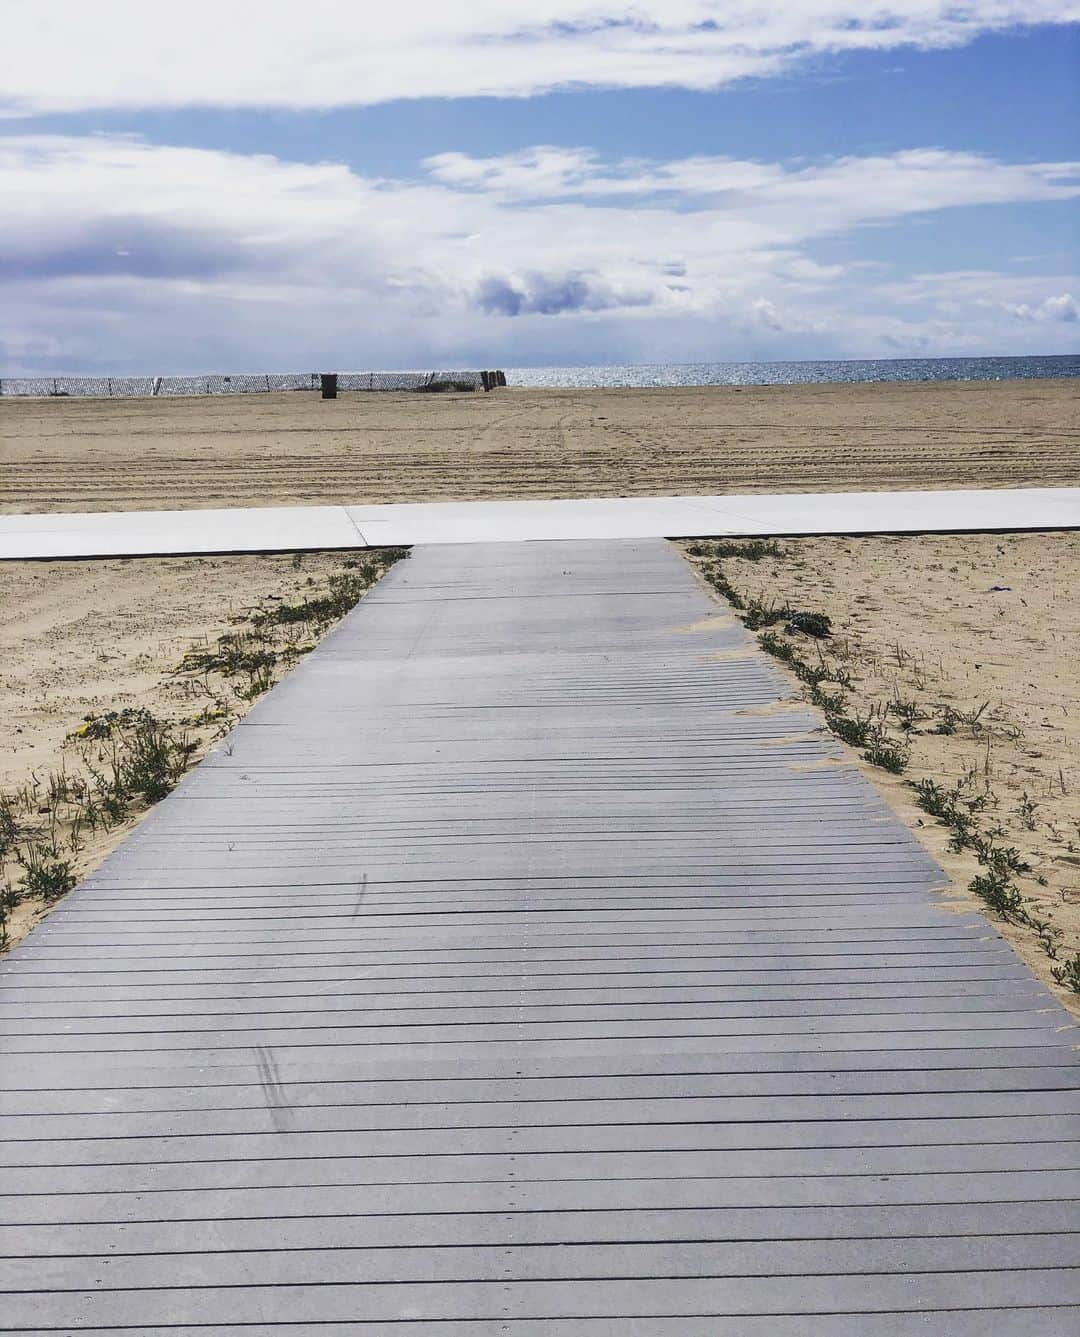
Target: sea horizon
643, 375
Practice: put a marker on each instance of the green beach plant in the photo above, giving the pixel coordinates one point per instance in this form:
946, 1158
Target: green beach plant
46, 873
1068, 973
9, 899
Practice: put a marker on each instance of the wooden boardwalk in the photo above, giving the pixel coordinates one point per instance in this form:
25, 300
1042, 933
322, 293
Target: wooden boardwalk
520, 966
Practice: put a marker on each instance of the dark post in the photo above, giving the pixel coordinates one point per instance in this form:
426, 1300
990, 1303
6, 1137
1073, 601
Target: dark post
485, 378
329, 384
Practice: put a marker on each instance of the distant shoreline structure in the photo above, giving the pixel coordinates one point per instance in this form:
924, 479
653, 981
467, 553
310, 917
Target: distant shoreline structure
246, 383
658, 375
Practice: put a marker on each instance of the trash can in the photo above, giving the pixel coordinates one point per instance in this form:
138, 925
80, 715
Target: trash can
329, 384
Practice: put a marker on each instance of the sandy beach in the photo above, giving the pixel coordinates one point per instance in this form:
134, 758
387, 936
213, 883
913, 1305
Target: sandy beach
262, 450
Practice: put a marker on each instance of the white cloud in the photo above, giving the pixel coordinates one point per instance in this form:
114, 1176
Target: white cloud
764, 311
130, 253
1029, 297
71, 55
841, 190
1061, 307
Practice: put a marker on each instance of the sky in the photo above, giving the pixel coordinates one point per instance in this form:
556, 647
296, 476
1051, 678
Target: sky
251, 187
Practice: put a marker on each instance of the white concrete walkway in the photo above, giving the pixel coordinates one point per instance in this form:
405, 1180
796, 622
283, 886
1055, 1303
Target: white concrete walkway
292, 528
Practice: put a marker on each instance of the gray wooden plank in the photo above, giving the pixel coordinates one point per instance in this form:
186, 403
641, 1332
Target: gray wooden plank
439, 1227
1013, 1321
413, 1263
591, 1167
569, 1136
541, 1299
795, 1203
341, 1115
245, 1089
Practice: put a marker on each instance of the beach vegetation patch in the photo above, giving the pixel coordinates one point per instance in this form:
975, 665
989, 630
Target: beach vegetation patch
903, 700
126, 759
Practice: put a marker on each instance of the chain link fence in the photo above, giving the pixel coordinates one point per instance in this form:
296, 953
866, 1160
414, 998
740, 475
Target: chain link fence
138, 387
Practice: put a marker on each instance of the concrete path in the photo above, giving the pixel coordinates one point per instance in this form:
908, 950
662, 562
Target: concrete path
521, 966
293, 528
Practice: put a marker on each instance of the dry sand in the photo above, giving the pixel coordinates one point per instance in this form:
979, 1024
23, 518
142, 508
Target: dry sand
261, 450
917, 619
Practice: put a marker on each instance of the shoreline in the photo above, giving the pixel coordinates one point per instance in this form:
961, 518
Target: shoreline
604, 375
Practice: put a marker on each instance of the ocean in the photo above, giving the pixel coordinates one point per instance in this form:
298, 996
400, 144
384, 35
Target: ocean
797, 373
641, 376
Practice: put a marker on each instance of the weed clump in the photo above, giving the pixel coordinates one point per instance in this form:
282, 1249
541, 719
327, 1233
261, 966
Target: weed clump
832, 703
345, 592
9, 899
1068, 973
108, 725
952, 809
154, 760
234, 653
864, 732
9, 825
995, 886
776, 646
1000, 894
889, 756
753, 550
907, 713
851, 729
139, 757
46, 873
